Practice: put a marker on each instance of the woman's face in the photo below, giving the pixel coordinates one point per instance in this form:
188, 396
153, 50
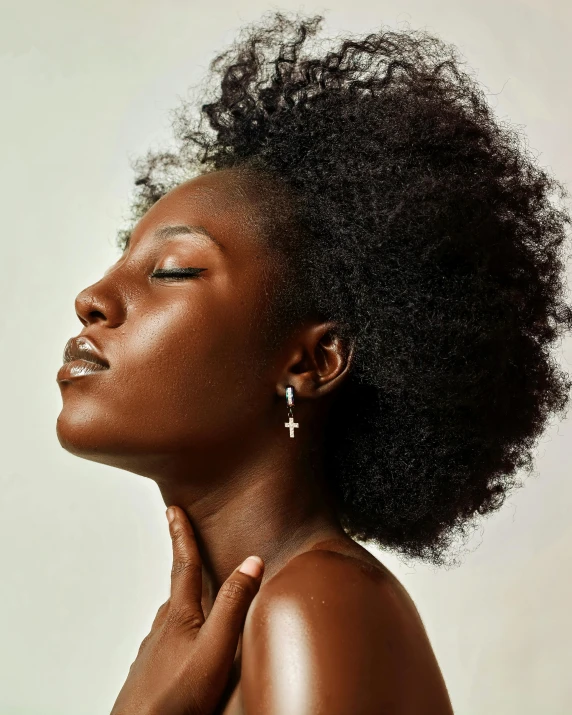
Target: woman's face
186, 371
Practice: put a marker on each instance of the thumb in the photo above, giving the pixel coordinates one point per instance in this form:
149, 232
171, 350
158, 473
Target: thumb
222, 628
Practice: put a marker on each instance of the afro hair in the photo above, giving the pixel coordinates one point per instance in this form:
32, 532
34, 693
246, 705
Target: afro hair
427, 232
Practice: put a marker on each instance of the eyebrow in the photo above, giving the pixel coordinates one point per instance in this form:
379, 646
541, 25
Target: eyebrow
169, 231
164, 232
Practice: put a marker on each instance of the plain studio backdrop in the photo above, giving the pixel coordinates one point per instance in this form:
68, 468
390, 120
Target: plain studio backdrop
85, 548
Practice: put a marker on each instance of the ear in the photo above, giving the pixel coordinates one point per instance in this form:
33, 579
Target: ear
318, 361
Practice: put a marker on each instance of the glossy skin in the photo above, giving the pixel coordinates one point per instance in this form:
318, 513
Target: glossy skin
195, 400
336, 633
183, 664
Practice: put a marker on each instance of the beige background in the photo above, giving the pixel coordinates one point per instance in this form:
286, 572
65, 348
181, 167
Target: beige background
85, 550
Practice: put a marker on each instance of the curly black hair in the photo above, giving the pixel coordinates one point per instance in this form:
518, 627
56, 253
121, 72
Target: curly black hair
427, 232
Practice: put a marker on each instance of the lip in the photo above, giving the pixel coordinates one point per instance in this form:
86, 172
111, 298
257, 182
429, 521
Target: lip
81, 357
78, 368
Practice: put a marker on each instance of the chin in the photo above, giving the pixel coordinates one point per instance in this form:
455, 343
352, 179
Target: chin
101, 440
82, 434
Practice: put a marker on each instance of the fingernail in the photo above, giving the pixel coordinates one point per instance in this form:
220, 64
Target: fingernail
252, 566
170, 514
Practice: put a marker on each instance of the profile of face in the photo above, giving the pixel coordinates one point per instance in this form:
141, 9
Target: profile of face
189, 370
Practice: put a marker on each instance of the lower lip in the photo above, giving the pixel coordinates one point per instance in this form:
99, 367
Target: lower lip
78, 368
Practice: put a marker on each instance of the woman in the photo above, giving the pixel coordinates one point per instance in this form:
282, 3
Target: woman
331, 320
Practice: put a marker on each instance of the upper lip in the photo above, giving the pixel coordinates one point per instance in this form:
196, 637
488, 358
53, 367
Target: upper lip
81, 348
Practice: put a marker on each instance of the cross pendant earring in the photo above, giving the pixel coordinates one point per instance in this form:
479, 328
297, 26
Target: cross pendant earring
290, 403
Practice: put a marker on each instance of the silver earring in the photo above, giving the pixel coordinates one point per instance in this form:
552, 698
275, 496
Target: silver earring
290, 404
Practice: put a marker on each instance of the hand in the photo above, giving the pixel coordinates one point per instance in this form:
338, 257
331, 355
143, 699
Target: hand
183, 664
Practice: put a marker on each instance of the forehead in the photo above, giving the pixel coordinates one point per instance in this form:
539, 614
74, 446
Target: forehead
225, 203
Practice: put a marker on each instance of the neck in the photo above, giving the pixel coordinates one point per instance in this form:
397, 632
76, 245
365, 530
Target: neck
270, 501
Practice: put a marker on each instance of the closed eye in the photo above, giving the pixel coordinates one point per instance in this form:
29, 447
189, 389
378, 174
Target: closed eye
178, 273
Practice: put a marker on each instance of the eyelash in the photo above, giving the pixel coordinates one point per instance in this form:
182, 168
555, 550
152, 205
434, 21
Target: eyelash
178, 274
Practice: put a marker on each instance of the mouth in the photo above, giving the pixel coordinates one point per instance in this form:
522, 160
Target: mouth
81, 357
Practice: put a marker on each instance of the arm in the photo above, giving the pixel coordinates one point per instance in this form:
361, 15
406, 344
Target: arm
327, 635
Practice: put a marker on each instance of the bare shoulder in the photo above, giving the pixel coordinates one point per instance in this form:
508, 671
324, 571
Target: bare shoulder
333, 633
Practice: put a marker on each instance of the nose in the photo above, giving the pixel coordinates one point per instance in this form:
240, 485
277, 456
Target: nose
100, 302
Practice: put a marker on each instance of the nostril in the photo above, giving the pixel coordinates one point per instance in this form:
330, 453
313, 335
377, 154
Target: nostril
91, 317
97, 304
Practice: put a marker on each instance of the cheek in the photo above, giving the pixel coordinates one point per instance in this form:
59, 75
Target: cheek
175, 379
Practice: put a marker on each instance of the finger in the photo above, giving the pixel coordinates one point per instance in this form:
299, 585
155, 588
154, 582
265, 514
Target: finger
161, 614
224, 624
186, 572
